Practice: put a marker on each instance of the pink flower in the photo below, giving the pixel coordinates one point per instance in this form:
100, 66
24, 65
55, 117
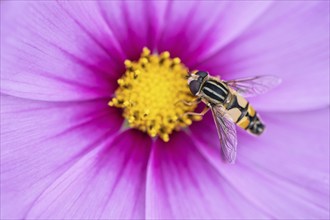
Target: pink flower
64, 156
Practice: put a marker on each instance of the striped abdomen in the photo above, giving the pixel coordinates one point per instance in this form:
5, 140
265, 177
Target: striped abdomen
244, 115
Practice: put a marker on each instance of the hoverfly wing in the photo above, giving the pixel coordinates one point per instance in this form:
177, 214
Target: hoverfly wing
253, 86
226, 131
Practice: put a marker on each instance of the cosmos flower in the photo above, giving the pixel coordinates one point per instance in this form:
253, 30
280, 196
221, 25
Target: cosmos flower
65, 153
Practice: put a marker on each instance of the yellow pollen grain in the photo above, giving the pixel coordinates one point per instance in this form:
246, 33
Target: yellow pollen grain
152, 93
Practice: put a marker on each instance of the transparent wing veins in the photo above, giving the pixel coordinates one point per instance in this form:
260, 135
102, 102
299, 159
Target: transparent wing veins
255, 85
227, 132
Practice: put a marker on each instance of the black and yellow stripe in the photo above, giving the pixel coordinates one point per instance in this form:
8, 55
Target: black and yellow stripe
215, 91
248, 118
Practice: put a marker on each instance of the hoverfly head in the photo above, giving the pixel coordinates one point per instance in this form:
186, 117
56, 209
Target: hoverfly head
195, 81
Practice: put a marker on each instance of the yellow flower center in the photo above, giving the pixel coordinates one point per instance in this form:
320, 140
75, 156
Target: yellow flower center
152, 94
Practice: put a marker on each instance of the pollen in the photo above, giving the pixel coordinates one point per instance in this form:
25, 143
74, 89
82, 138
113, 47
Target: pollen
154, 95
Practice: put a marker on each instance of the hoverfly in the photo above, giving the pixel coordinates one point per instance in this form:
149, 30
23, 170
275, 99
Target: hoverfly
225, 99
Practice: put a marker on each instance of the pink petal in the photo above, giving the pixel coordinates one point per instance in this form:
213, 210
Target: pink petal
106, 183
195, 29
285, 172
182, 184
135, 24
290, 40
58, 46
41, 140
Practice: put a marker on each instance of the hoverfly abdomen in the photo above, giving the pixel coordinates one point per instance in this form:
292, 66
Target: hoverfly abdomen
250, 121
255, 126
244, 114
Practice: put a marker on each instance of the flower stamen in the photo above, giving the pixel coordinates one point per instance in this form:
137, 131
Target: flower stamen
152, 93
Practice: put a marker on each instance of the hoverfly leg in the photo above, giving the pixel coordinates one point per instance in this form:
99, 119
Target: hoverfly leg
202, 113
194, 102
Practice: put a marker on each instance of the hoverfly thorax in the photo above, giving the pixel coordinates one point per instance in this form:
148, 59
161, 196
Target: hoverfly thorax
196, 80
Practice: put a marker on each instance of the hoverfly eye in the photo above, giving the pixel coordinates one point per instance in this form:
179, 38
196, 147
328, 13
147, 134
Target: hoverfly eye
194, 86
202, 74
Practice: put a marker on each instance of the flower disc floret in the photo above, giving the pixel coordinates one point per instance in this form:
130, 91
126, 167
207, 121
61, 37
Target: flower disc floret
153, 94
